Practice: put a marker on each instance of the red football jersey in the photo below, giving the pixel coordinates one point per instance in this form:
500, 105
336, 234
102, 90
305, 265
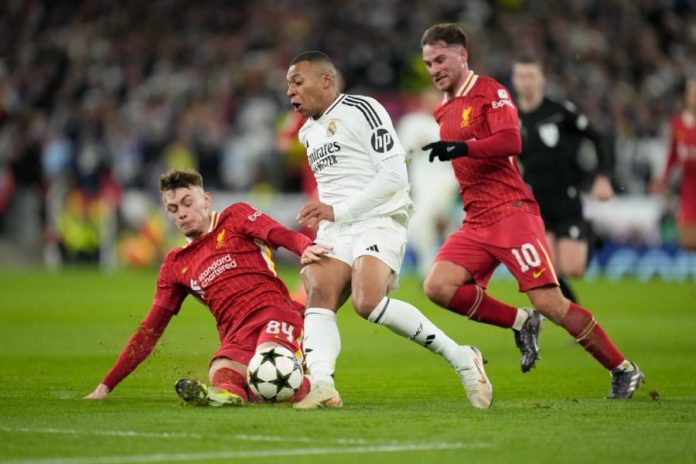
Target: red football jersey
682, 150
489, 178
230, 268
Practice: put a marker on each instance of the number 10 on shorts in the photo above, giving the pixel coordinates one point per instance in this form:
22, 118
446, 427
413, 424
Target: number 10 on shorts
275, 327
527, 256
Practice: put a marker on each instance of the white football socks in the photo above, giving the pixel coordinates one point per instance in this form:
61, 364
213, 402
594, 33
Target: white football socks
406, 320
322, 343
520, 319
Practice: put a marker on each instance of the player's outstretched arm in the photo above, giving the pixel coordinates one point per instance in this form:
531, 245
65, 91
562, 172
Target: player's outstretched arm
138, 347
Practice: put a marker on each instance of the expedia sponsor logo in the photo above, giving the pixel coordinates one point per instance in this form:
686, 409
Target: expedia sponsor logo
501, 103
322, 157
382, 140
218, 266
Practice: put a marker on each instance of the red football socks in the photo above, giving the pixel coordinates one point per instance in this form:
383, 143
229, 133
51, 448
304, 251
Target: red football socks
304, 389
232, 381
581, 324
472, 301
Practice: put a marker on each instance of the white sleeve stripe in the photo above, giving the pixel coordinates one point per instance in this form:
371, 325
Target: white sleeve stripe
367, 111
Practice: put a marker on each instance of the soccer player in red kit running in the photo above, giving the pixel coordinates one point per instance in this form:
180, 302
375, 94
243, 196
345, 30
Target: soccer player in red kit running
479, 129
682, 150
227, 265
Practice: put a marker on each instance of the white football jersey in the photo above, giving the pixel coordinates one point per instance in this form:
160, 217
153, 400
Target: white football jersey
345, 148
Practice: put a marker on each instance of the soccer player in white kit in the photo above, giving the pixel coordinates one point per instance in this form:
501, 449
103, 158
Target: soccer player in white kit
362, 213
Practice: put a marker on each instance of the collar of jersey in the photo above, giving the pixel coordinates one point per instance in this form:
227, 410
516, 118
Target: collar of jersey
332, 105
466, 87
213, 222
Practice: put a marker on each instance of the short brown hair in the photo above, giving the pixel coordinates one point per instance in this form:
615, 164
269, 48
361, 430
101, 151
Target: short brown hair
450, 33
180, 178
526, 58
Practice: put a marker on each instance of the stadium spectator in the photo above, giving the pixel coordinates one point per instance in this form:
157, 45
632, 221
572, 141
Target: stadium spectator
551, 135
362, 213
480, 131
682, 151
125, 77
227, 265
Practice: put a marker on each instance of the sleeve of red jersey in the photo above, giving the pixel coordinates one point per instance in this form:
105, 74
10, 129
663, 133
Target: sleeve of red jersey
139, 346
166, 303
503, 124
256, 224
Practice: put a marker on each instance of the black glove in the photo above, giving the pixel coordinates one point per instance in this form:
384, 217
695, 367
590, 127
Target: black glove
446, 150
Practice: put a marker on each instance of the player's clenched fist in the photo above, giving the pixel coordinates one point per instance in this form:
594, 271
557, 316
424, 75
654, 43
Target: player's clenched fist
446, 150
314, 212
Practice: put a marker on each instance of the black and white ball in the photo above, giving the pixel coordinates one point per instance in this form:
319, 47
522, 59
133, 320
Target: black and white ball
274, 374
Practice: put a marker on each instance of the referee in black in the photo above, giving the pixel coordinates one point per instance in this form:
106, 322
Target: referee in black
551, 135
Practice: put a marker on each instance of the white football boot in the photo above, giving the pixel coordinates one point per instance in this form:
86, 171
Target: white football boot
322, 395
469, 367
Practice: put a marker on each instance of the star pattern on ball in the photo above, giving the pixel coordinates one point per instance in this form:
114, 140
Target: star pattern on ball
270, 356
254, 379
281, 381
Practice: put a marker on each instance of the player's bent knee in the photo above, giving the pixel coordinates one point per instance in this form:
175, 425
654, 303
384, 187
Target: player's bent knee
550, 302
437, 291
364, 305
318, 295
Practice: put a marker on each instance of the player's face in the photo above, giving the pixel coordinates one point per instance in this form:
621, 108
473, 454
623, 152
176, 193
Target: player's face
691, 94
308, 86
527, 80
446, 64
189, 209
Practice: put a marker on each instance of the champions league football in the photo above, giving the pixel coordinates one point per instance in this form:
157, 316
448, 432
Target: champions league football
274, 374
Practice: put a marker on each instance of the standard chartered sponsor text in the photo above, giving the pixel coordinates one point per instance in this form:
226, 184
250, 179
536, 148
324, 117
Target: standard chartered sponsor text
219, 266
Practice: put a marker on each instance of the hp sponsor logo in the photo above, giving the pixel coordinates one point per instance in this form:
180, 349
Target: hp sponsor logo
382, 140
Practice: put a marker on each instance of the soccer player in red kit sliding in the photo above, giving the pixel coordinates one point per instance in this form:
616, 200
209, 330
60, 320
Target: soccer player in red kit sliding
479, 129
682, 151
227, 265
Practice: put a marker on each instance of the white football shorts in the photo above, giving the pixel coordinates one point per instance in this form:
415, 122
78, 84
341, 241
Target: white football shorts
384, 238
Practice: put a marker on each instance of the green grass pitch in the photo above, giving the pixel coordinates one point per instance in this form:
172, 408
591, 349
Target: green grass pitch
59, 333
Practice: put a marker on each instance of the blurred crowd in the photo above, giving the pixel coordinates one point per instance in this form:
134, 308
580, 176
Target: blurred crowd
98, 95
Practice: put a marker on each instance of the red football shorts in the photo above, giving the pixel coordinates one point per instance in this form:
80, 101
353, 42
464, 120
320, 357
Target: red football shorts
518, 241
280, 325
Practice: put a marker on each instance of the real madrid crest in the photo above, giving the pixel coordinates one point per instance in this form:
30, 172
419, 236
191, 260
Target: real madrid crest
331, 129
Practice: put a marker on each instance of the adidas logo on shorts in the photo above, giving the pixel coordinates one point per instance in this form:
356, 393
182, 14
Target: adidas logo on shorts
373, 248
